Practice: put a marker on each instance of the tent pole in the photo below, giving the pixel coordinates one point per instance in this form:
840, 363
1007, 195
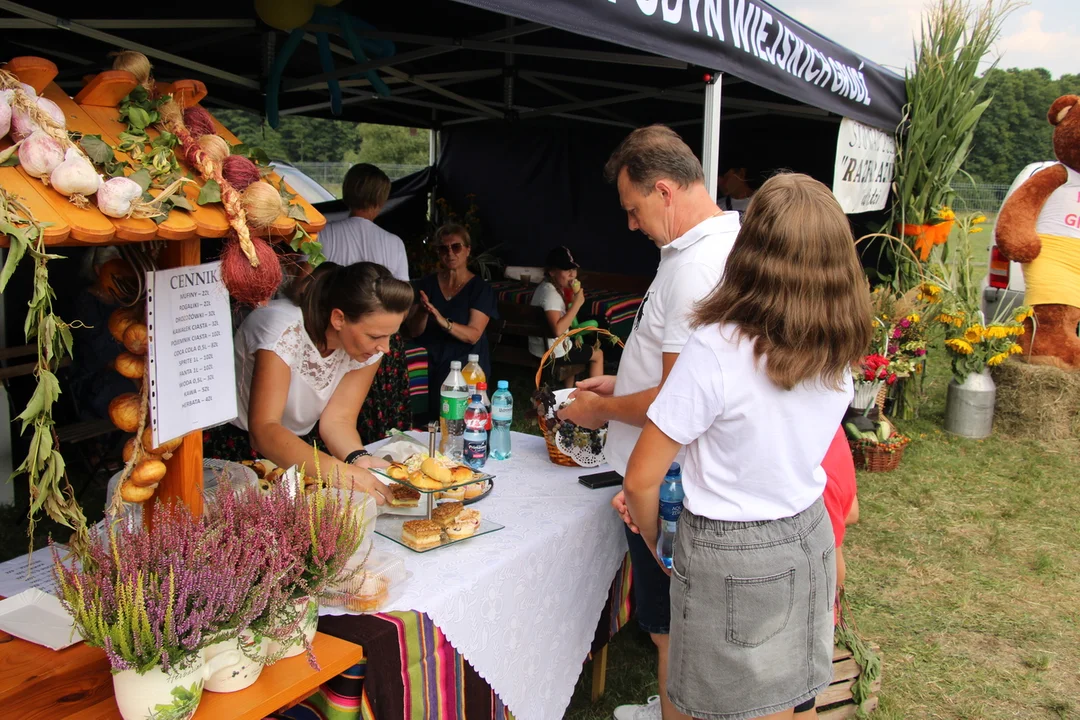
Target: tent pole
710, 144
433, 160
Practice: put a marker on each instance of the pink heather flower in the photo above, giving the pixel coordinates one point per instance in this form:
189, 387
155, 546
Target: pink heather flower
905, 323
897, 333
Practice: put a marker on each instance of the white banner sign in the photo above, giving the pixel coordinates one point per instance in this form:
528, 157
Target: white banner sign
192, 375
865, 159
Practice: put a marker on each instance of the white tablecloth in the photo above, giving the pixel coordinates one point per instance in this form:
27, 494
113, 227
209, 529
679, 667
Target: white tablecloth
521, 604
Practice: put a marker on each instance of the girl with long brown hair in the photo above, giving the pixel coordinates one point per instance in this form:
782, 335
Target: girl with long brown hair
756, 396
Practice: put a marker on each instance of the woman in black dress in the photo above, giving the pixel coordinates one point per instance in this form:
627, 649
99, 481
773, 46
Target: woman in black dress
454, 309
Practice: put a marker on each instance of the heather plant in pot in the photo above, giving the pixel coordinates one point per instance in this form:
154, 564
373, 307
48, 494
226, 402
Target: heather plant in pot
154, 600
319, 530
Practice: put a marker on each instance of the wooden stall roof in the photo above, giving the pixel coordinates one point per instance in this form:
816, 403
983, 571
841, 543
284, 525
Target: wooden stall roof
94, 112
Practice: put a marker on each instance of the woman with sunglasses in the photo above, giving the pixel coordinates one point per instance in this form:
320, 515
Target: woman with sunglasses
453, 311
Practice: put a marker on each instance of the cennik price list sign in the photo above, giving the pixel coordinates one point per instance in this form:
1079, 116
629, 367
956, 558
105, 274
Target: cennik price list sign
192, 376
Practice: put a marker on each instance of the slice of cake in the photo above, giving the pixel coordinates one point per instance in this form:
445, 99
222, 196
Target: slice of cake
421, 534
403, 496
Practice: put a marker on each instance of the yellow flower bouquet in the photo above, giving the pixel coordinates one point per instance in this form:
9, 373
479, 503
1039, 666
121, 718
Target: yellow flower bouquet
975, 346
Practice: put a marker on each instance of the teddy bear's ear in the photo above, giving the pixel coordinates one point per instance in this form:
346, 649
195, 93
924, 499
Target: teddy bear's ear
1061, 108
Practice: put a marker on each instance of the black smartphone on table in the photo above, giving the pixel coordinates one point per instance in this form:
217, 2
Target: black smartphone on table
599, 480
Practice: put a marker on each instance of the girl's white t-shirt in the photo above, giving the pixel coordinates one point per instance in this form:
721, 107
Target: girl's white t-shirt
753, 449
279, 328
549, 297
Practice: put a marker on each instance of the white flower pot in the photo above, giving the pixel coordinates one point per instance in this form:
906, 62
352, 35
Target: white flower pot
309, 622
157, 695
245, 671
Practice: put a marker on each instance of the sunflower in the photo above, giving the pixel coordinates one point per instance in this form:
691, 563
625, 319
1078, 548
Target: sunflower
997, 359
1024, 315
929, 292
959, 345
974, 333
975, 230
913, 317
946, 213
997, 332
978, 219
1015, 349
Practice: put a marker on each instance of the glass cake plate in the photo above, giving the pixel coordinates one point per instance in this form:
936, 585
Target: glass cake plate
476, 478
389, 526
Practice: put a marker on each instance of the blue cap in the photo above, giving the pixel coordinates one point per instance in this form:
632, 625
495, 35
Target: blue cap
674, 470
476, 398
503, 385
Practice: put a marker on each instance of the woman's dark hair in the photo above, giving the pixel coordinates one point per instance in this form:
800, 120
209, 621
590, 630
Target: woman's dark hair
794, 286
356, 290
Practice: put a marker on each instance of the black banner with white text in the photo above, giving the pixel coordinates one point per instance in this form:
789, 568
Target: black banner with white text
747, 38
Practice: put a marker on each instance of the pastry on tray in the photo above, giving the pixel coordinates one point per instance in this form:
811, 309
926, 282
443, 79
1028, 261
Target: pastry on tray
420, 480
454, 494
370, 595
421, 534
474, 490
468, 516
403, 496
444, 514
461, 474
437, 472
460, 531
397, 471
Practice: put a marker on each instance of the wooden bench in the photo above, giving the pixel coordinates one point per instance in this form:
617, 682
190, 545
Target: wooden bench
518, 323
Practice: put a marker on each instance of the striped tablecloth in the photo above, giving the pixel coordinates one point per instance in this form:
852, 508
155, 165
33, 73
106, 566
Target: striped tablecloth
412, 672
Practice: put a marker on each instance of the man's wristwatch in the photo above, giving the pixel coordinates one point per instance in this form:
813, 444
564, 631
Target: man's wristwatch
356, 454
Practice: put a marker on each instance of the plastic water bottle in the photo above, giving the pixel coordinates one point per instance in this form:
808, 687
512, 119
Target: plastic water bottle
475, 440
454, 398
502, 413
671, 497
481, 390
473, 373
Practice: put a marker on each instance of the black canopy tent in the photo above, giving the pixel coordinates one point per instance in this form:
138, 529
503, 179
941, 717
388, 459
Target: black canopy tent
540, 90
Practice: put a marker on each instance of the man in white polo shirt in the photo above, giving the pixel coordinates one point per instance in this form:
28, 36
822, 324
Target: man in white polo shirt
662, 188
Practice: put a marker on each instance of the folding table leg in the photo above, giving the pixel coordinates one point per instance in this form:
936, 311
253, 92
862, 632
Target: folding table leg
599, 673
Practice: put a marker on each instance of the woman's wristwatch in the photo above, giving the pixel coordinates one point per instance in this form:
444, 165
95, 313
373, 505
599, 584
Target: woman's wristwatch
355, 455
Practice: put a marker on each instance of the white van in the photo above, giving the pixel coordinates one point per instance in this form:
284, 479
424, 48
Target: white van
1003, 287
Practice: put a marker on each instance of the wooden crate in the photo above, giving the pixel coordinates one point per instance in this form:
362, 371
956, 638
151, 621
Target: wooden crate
836, 703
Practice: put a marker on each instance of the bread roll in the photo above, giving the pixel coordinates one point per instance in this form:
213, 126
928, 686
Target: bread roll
134, 494
436, 472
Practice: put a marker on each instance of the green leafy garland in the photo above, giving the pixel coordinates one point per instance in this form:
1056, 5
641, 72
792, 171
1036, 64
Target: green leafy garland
869, 662
44, 466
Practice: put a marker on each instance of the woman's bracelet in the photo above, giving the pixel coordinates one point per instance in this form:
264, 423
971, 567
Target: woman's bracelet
355, 454
449, 325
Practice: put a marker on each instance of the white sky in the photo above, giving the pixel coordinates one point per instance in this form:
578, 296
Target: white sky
1042, 33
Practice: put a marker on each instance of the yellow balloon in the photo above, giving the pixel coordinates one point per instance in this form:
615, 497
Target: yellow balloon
328, 3
285, 14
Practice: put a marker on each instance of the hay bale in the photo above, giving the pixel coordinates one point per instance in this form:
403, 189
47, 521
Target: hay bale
1037, 401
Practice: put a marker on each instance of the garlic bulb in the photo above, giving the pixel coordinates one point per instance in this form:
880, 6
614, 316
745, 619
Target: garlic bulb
75, 176
29, 90
5, 118
22, 125
40, 154
115, 196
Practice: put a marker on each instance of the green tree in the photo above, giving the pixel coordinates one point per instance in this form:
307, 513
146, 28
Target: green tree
297, 139
391, 145
1013, 131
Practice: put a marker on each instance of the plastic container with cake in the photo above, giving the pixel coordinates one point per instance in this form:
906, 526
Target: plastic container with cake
368, 589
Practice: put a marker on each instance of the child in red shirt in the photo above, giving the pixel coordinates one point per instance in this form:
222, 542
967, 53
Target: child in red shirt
842, 504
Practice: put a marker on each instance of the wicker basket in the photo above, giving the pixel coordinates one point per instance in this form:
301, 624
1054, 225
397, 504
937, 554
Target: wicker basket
557, 456
878, 457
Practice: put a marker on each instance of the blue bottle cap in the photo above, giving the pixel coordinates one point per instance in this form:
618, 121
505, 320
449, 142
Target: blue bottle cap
476, 398
504, 385
674, 470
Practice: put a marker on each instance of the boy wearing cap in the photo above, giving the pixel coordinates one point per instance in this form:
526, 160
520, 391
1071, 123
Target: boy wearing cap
560, 282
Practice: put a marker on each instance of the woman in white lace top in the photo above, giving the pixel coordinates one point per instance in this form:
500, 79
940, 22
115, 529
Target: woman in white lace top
311, 360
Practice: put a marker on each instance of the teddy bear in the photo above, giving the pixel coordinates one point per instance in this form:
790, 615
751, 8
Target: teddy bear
1039, 226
